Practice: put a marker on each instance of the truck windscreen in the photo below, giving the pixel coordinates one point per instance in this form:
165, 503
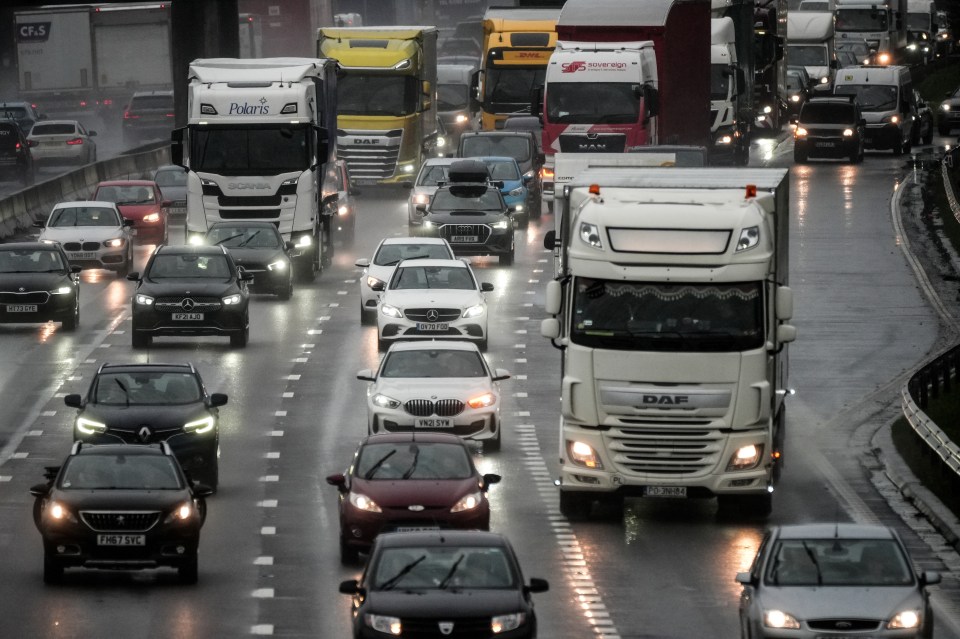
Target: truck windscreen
861, 20
236, 150
377, 94
918, 22
593, 103
451, 97
650, 316
807, 55
511, 86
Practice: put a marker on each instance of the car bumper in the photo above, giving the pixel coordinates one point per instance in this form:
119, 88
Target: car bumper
148, 321
828, 147
482, 423
61, 153
75, 545
153, 233
883, 136
106, 258
359, 528
500, 241
948, 118
396, 329
56, 308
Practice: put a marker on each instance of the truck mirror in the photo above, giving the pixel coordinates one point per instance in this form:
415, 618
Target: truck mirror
780, 48
784, 303
651, 99
550, 328
554, 296
786, 333
550, 240
176, 147
741, 81
536, 102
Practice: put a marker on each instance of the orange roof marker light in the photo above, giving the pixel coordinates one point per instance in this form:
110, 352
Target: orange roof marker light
594, 189
751, 191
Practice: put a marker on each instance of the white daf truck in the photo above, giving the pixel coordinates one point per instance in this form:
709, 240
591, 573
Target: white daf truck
672, 313
259, 146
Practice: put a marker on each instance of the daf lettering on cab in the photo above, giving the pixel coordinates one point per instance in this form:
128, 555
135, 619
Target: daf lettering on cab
258, 146
672, 313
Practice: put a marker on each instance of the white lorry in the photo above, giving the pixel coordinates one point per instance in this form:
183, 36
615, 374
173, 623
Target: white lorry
882, 23
810, 44
730, 105
671, 311
259, 146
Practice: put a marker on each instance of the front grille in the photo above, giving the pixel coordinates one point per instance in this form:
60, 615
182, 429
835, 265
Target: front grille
134, 436
665, 451
249, 214
441, 407
443, 314
844, 625
122, 521
600, 143
370, 154
29, 297
200, 304
77, 246
451, 231
252, 200
470, 628
824, 133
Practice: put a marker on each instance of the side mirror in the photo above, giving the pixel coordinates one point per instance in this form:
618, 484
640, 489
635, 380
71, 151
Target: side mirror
338, 480
784, 303
353, 191
741, 81
73, 400
528, 177
550, 240
40, 490
218, 399
537, 585
362, 262
366, 375
501, 374
134, 277
744, 578
927, 577
550, 328
128, 223
536, 102
651, 100
489, 479
378, 286
75, 268
786, 333
421, 209
39, 224
246, 276
202, 490
176, 147
288, 245
554, 296
541, 157
350, 587
486, 287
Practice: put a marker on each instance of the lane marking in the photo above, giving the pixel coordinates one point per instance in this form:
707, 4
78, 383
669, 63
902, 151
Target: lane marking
268, 530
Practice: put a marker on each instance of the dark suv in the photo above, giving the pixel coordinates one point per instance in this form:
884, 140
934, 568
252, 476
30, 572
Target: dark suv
520, 145
830, 127
148, 115
16, 161
23, 113
149, 403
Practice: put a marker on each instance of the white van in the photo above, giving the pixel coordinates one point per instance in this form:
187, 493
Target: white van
884, 94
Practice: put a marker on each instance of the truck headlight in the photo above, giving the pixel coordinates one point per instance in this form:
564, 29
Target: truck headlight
384, 401
905, 619
362, 502
825, 80
892, 119
199, 426
144, 300
474, 311
795, 97
749, 237
724, 140
468, 502
848, 133
196, 240
583, 454
90, 427
231, 300
780, 619
590, 235
745, 457
391, 311
304, 240
911, 47
343, 210
799, 132
461, 119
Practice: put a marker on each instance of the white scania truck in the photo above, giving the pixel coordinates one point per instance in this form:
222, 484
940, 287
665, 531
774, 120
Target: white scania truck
259, 146
672, 313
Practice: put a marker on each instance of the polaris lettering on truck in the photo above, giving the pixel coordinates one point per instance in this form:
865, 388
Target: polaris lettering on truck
246, 108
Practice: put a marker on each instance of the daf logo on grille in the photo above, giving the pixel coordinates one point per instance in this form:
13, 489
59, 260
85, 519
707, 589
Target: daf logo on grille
446, 627
187, 304
145, 433
415, 507
433, 315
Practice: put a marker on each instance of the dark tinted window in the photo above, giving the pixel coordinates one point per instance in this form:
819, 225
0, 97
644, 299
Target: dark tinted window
827, 113
188, 265
30, 261
146, 387
57, 128
152, 102
171, 177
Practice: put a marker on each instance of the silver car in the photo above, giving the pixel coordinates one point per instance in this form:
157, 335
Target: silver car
62, 142
93, 235
431, 174
811, 581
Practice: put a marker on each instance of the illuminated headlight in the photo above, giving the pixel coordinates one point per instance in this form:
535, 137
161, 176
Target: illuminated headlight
90, 427
482, 401
800, 132
430, 225
502, 224
183, 512
406, 168
590, 234
391, 311
944, 106
583, 454
926, 49
883, 58
461, 119
56, 242
911, 47
373, 282
724, 139
384, 401
382, 623
63, 290
468, 502
441, 142
199, 426
892, 119
304, 240
824, 80
116, 242
906, 619
780, 619
363, 502
515, 192
474, 311
151, 218
506, 623
421, 198
768, 109
795, 98
196, 240
761, 118
60, 512
745, 457
231, 300
343, 210
144, 300
848, 133
518, 208
279, 265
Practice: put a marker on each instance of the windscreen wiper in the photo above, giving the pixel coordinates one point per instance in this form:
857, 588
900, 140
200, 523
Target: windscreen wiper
390, 583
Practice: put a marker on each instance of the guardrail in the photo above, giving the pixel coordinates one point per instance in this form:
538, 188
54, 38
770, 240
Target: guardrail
19, 210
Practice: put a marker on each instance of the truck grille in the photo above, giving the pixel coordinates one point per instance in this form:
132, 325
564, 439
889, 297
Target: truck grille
370, 155
249, 214
441, 407
451, 231
30, 297
77, 246
599, 143
122, 521
443, 314
665, 451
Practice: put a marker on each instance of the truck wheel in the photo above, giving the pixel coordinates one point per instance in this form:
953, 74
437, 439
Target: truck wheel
536, 207
307, 269
239, 340
575, 506
744, 506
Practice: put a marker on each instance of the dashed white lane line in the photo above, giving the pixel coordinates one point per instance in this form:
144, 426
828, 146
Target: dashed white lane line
333, 304
276, 433
19, 455
528, 304
521, 331
48, 413
263, 561
307, 346
301, 360
89, 361
263, 593
262, 629
5, 478
520, 346
520, 394
521, 360
273, 455
323, 318
343, 292
270, 478
34, 433
293, 378
268, 503
315, 331
280, 413
287, 395
268, 530
520, 377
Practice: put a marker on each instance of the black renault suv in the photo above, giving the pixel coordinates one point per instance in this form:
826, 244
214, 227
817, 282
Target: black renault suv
148, 403
829, 127
16, 160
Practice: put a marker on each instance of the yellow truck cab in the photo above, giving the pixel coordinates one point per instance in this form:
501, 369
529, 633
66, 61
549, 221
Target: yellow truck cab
386, 99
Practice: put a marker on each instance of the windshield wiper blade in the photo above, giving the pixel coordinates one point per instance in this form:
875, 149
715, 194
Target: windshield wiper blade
252, 235
390, 583
373, 469
126, 393
446, 578
816, 564
227, 239
413, 463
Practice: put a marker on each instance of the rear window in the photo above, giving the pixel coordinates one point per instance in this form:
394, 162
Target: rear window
17, 113
53, 129
514, 146
827, 113
152, 102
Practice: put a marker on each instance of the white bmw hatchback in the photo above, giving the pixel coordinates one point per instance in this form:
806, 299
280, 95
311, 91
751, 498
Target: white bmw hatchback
433, 299
435, 386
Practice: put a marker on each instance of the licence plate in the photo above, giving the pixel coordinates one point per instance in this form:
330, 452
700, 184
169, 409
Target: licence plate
433, 422
82, 256
121, 540
415, 528
177, 210
432, 326
187, 317
825, 145
465, 238
21, 308
665, 491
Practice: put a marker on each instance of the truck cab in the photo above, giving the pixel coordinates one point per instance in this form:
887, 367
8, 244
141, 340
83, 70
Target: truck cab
810, 44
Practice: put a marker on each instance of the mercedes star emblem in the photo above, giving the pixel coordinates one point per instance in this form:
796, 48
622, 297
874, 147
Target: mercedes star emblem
433, 315
187, 304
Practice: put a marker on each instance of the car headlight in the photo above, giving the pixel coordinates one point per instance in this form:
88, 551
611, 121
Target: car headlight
428, 224
945, 107
768, 109
373, 282
892, 119
116, 242
482, 401
343, 210
63, 290
461, 119
384, 401
516, 192
848, 133
725, 139
746, 457
90, 427
56, 242
502, 224
468, 502
583, 454
795, 97
825, 80
151, 218
911, 47
199, 426
749, 237
406, 168
780, 619
474, 311
799, 132
59, 512
441, 142
421, 198
279, 265
391, 311
383, 623
196, 240
183, 512
363, 502
231, 300
304, 240
144, 300
506, 623
905, 619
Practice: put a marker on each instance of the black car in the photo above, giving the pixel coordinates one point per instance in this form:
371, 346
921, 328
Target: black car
519, 144
798, 89
119, 507
38, 284
470, 213
16, 160
148, 115
23, 113
148, 403
259, 249
191, 290
452, 583
829, 127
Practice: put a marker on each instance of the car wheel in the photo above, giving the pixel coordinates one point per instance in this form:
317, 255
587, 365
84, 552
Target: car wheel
506, 259
536, 207
493, 445
71, 321
744, 506
140, 340
52, 569
188, 570
382, 345
124, 270
575, 506
240, 339
286, 292
307, 269
348, 555
524, 221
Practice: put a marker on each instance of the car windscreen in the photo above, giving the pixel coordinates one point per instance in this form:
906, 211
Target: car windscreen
31, 261
126, 195
253, 237
511, 146
838, 562
393, 254
120, 472
433, 363
503, 170
431, 175
188, 265
451, 200
171, 177
13, 113
451, 97
872, 97
83, 216
440, 567
413, 460
425, 277
145, 387
814, 113
794, 83
55, 128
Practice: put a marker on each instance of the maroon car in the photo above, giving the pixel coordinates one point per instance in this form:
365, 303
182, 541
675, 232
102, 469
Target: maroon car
407, 482
140, 201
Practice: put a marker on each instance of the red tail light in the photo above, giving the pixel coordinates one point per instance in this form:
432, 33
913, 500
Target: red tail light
107, 102
83, 103
17, 147
75, 141
130, 116
169, 115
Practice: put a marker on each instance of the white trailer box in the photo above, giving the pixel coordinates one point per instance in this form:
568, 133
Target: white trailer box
54, 52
